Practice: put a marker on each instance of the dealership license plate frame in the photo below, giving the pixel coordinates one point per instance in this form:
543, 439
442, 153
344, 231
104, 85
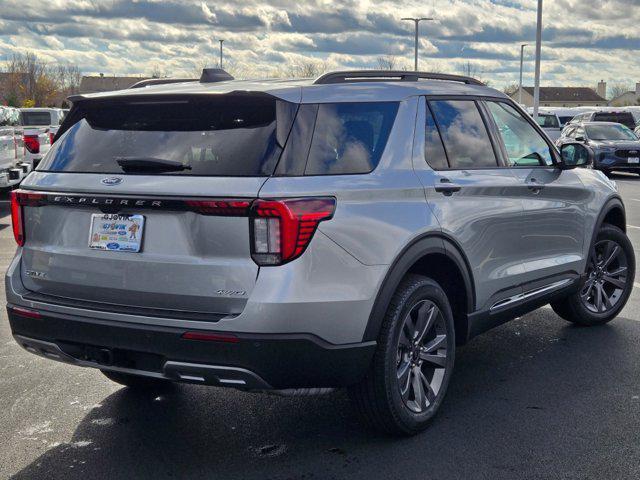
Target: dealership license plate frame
112, 232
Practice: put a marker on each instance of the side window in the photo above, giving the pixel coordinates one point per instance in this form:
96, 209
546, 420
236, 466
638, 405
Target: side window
525, 146
434, 152
349, 137
464, 134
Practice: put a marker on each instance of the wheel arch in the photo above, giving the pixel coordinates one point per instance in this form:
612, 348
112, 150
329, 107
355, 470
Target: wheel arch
612, 213
440, 258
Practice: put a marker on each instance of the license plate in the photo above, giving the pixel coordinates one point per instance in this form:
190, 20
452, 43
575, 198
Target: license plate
634, 159
118, 233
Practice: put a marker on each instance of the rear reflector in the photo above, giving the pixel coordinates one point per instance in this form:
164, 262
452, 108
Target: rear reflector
282, 229
25, 312
31, 143
211, 337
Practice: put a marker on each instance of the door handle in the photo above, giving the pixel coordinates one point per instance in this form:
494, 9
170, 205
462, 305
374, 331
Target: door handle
534, 186
447, 187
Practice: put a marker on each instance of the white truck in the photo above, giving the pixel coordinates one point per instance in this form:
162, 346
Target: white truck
39, 126
13, 168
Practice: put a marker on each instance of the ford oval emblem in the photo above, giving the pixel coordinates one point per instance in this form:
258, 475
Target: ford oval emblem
111, 181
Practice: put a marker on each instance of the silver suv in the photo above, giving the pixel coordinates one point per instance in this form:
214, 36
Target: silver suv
298, 236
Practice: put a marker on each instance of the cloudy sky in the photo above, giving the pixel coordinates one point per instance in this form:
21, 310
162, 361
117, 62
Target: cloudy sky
584, 40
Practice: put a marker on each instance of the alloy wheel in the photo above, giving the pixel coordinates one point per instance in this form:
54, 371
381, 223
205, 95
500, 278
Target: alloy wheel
422, 356
606, 277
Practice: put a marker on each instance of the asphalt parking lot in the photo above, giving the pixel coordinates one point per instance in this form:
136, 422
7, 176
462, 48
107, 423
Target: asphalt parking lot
536, 398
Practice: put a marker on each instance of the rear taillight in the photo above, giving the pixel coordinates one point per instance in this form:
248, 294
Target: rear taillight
19, 199
281, 230
16, 219
231, 208
31, 143
51, 137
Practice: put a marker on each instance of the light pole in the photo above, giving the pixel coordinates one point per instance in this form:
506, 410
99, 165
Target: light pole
522, 47
417, 22
221, 41
536, 93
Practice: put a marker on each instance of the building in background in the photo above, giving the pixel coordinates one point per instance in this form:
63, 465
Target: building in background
563, 97
103, 83
627, 99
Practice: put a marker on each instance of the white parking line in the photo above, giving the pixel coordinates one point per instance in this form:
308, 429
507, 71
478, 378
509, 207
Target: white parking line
633, 226
636, 284
635, 199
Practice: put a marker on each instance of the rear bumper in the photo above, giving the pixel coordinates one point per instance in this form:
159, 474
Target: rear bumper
253, 362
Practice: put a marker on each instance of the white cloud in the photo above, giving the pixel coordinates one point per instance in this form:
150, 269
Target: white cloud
585, 40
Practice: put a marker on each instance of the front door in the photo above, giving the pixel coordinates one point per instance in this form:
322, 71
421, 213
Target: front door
553, 231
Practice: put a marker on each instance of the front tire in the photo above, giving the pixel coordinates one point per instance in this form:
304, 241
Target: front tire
413, 363
610, 276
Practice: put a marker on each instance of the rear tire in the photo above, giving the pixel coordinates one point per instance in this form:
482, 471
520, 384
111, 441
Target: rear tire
138, 382
610, 277
413, 363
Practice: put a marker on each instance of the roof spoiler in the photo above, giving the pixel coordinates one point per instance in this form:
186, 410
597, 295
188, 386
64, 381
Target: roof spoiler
213, 75
390, 76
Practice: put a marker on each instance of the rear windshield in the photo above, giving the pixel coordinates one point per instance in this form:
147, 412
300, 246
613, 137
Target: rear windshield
231, 135
36, 118
625, 119
548, 121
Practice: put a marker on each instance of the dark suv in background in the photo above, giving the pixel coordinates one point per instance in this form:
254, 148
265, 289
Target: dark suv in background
615, 147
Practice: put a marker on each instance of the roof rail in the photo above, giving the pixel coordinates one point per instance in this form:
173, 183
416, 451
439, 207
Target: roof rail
389, 76
160, 81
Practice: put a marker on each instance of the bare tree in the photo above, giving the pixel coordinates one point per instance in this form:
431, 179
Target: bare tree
511, 89
387, 63
473, 70
32, 82
617, 89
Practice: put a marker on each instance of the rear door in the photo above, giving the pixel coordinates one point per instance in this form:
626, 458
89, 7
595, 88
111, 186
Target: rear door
553, 200
184, 169
473, 196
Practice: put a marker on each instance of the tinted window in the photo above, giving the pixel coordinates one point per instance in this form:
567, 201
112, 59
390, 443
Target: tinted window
548, 121
525, 146
624, 118
433, 149
464, 134
565, 120
609, 132
36, 118
349, 137
227, 136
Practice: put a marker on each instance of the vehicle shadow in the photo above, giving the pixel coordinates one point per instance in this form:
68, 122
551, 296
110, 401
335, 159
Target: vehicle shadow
536, 398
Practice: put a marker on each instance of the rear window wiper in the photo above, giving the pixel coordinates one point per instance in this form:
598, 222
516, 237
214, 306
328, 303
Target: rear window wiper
150, 164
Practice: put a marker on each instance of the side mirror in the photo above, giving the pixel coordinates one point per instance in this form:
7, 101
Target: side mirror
576, 155
580, 139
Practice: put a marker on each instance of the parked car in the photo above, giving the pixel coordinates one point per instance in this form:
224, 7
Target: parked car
37, 127
616, 148
297, 236
621, 116
12, 167
550, 123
